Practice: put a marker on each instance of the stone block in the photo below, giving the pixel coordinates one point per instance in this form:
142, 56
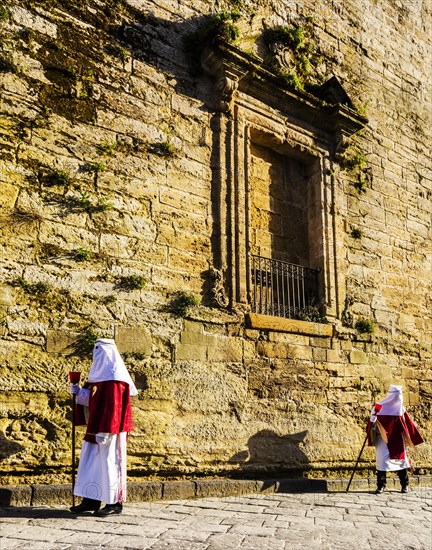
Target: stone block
191, 352
65, 237
182, 240
334, 356
249, 351
15, 495
181, 260
184, 201
365, 484
3, 316
49, 495
6, 295
227, 487
413, 398
183, 105
144, 491
299, 352
194, 338
346, 345
31, 21
170, 280
227, 350
8, 196
266, 322
289, 338
252, 334
178, 490
60, 341
117, 246
408, 373
320, 342
336, 485
193, 326
135, 339
357, 356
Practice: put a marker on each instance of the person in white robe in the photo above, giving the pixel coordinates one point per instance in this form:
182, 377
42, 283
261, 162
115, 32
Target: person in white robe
391, 430
103, 404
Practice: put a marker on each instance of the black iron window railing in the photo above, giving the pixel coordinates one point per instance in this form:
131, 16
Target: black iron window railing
282, 289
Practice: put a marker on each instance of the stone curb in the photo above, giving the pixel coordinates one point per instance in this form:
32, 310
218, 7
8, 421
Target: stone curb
49, 495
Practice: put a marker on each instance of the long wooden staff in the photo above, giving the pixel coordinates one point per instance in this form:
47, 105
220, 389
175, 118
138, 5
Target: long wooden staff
377, 407
74, 377
356, 464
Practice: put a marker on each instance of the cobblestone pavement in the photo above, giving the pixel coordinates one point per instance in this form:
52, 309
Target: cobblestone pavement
355, 520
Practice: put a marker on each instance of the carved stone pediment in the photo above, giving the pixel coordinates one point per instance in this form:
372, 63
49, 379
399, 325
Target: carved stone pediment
328, 109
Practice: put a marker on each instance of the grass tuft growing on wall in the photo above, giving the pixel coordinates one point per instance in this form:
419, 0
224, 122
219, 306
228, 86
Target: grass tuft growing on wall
181, 303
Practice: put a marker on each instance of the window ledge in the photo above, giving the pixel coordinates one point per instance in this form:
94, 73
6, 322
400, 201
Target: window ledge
279, 324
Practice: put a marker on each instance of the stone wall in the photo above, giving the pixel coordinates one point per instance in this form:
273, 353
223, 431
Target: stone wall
110, 154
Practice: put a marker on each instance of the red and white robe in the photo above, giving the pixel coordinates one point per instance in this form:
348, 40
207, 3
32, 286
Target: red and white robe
105, 408
395, 433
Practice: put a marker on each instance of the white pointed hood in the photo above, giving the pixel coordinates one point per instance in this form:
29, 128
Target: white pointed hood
108, 365
392, 404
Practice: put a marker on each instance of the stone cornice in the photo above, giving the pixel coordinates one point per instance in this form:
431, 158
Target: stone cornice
329, 110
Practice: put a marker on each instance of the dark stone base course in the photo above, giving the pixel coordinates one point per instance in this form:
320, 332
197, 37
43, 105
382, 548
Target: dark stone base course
12, 495
51, 495
144, 491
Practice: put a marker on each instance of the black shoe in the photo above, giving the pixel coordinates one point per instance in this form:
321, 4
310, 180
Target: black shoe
404, 490
110, 509
379, 491
87, 505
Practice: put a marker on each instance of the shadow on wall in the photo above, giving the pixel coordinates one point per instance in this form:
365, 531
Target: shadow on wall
267, 453
9, 447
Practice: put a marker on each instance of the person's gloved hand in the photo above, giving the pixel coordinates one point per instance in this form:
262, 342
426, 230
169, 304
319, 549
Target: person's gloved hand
373, 419
74, 389
102, 438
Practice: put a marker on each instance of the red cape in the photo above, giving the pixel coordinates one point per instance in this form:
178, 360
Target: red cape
110, 409
399, 430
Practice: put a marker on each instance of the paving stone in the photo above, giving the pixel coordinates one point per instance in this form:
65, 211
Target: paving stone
222, 542
256, 530
266, 544
40, 533
207, 512
7, 544
250, 509
189, 534
131, 542
85, 538
9, 529
356, 521
148, 530
174, 544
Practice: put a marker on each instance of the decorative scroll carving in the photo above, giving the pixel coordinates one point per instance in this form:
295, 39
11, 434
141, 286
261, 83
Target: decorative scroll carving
226, 87
342, 142
347, 318
226, 74
219, 296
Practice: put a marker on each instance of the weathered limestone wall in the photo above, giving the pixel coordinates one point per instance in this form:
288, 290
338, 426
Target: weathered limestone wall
106, 175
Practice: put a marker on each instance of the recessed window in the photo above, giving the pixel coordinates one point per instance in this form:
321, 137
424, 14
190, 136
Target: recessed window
274, 237
284, 228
